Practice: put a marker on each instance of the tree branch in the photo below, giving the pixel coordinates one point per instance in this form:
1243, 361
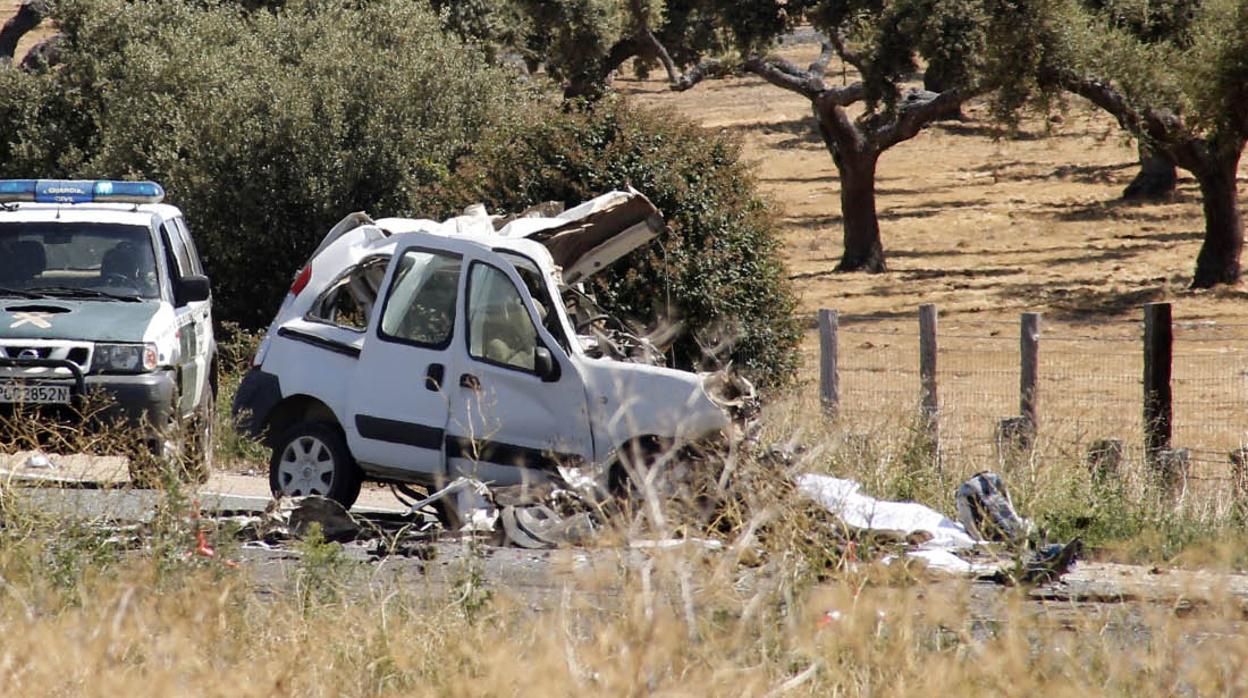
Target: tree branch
820, 67
837, 40
1162, 128
29, 15
708, 68
916, 110
660, 52
784, 74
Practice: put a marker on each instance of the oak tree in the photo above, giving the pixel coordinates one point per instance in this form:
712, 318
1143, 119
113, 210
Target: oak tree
1185, 99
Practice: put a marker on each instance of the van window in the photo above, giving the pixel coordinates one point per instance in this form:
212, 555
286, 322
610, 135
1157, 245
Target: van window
420, 307
499, 328
348, 302
531, 275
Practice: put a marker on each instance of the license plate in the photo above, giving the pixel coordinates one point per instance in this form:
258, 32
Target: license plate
34, 393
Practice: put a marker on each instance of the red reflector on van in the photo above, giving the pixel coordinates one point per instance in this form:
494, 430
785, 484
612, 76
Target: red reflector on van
301, 281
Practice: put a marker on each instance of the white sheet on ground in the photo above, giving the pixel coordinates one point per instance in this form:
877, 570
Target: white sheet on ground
845, 499
945, 561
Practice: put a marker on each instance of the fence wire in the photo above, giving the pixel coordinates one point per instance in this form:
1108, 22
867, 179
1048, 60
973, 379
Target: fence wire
1089, 385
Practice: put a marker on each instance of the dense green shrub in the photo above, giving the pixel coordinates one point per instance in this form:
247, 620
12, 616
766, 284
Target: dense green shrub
717, 267
265, 127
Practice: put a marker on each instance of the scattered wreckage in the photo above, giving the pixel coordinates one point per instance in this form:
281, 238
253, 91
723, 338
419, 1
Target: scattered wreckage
416, 352
465, 357
986, 518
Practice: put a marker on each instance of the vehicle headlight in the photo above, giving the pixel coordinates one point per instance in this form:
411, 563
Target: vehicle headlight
124, 358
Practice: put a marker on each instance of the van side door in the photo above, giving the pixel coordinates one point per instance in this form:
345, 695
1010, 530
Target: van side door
397, 398
511, 421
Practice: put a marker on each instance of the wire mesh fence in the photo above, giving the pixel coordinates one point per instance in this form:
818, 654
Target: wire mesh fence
1090, 384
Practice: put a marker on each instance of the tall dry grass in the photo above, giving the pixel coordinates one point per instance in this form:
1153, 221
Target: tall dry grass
785, 607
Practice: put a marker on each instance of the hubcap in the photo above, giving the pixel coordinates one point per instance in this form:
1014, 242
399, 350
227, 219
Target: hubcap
306, 467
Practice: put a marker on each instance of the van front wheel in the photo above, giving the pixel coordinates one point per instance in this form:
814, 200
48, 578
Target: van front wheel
312, 458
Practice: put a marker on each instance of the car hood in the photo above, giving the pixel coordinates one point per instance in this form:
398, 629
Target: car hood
581, 241
88, 320
593, 235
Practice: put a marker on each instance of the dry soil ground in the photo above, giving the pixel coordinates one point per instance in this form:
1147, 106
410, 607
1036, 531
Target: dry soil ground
987, 225
7, 8
974, 220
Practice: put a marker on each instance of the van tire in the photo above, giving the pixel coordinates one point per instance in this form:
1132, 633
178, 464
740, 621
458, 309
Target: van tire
308, 453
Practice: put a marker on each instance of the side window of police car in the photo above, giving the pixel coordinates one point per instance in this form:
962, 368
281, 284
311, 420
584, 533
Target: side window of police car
192, 254
176, 257
500, 330
420, 307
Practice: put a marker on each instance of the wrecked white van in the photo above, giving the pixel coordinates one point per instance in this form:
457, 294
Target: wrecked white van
415, 351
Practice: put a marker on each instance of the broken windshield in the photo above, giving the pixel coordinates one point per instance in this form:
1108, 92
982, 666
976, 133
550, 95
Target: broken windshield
100, 260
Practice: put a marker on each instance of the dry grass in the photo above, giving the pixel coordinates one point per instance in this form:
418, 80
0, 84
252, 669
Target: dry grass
138, 628
785, 607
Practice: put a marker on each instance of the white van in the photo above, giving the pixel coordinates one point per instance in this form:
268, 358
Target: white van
414, 351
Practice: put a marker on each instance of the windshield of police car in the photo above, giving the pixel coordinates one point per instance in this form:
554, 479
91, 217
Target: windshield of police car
90, 257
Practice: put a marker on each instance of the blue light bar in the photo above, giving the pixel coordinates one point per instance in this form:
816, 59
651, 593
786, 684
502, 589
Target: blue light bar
78, 191
17, 190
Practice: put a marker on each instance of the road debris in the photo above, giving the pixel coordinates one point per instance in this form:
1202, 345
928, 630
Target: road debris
943, 544
336, 523
40, 461
986, 512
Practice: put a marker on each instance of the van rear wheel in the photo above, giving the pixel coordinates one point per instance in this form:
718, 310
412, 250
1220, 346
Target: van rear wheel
312, 458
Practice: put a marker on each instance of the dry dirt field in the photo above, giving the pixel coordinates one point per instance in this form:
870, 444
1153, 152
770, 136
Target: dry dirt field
988, 225
972, 220
7, 8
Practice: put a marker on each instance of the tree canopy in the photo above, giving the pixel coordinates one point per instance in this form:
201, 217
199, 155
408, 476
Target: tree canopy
1179, 83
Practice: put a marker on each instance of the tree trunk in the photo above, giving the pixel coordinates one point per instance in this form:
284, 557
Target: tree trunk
1157, 176
1218, 261
591, 81
863, 249
29, 14
936, 80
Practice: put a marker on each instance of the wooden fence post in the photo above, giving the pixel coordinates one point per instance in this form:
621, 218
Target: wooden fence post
829, 377
1029, 372
929, 404
1158, 399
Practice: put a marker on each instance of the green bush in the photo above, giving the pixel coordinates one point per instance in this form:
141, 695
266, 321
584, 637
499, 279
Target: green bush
265, 127
717, 267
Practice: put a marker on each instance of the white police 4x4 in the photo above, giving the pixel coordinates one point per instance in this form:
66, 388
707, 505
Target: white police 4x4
414, 351
102, 290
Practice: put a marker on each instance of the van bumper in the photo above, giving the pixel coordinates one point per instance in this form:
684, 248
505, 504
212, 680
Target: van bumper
257, 395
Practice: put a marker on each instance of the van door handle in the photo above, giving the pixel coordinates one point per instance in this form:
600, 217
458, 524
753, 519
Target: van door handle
434, 376
470, 381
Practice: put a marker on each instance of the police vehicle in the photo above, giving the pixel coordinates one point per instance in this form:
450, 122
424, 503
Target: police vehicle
103, 293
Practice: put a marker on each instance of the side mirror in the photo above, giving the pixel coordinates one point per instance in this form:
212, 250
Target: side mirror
192, 288
545, 366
